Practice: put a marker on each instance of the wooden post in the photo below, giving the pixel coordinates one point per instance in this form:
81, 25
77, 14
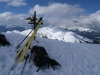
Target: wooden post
32, 20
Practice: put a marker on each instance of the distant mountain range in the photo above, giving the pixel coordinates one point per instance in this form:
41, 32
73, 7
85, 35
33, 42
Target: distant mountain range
85, 33
5, 28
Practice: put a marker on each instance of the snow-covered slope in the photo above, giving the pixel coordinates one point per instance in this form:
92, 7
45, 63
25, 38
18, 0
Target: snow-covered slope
55, 34
75, 58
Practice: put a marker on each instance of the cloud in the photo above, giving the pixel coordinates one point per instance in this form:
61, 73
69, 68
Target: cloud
67, 16
16, 3
90, 22
9, 18
57, 9
57, 13
5, 0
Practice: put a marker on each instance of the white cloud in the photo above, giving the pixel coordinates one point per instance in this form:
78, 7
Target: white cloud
57, 9
16, 3
57, 13
8, 18
67, 16
5, 0
91, 21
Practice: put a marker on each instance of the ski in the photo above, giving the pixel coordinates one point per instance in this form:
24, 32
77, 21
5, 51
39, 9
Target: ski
30, 41
21, 49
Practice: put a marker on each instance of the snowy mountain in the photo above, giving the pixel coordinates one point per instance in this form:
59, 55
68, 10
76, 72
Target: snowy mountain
75, 58
4, 28
83, 25
55, 34
87, 34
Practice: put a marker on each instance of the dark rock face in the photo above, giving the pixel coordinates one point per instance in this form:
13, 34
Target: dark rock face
3, 40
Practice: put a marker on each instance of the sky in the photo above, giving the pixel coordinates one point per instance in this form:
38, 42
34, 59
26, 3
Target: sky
24, 6
55, 12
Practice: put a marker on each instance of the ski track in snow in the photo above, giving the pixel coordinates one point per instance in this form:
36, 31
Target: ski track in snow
75, 58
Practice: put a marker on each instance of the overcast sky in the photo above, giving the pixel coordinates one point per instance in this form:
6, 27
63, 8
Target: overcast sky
55, 12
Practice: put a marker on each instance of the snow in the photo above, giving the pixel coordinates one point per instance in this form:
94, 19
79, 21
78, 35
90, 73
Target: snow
75, 58
81, 29
55, 34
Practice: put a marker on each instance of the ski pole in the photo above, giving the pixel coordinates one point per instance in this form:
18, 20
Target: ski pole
14, 64
25, 63
23, 40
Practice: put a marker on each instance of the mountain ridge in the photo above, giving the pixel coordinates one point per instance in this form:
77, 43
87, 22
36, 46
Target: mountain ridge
85, 32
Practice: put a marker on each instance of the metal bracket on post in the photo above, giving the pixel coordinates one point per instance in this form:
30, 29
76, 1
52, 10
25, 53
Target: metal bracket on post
32, 20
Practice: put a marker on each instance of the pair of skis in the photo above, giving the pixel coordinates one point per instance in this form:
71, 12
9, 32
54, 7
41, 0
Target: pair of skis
23, 50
